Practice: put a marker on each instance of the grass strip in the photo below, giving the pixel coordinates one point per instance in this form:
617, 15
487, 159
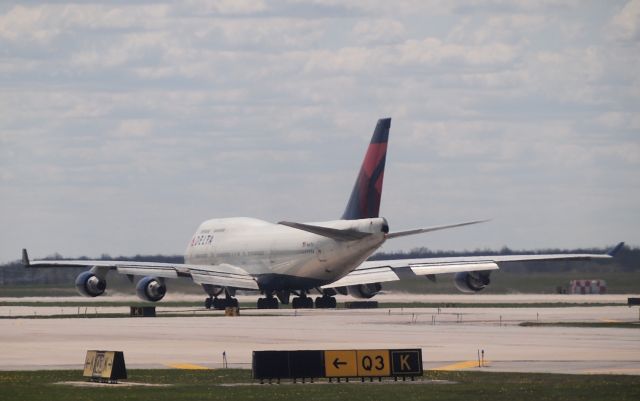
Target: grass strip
252, 305
207, 384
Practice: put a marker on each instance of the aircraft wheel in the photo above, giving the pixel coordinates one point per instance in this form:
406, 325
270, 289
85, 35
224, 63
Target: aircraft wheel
307, 303
219, 304
268, 303
326, 302
302, 303
272, 303
208, 303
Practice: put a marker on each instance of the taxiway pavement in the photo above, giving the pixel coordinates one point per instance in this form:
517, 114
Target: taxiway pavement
449, 337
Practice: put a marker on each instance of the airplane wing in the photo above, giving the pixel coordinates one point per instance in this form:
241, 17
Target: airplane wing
380, 271
222, 275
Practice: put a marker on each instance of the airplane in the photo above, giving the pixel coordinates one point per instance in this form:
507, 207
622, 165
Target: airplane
280, 259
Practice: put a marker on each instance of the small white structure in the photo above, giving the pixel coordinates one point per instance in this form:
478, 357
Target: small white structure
587, 287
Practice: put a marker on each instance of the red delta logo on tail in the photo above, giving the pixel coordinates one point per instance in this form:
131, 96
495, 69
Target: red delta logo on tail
364, 202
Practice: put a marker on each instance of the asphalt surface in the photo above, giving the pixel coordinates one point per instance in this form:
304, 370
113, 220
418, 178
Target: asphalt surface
450, 337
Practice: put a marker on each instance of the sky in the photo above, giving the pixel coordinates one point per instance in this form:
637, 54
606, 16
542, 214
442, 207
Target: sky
123, 125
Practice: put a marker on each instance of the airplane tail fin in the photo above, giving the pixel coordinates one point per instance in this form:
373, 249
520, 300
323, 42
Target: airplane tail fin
364, 202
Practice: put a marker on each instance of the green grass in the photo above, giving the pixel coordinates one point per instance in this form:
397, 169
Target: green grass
199, 385
31, 290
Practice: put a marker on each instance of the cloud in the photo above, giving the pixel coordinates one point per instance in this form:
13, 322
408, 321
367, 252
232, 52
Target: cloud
128, 49
223, 7
27, 23
511, 28
430, 53
616, 120
44, 23
204, 109
625, 24
435, 51
378, 31
134, 127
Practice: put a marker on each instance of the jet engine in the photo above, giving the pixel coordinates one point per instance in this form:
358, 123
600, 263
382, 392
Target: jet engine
151, 289
472, 282
364, 291
90, 285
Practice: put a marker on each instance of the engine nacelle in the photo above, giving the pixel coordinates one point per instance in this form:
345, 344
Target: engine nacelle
472, 282
151, 289
90, 285
364, 291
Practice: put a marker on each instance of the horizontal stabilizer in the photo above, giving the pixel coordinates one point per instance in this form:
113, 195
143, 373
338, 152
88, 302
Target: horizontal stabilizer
429, 229
333, 233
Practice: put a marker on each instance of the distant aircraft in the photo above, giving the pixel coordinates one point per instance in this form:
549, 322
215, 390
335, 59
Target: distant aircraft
225, 255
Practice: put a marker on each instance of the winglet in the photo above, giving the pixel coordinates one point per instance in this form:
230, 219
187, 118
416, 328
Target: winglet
25, 258
616, 249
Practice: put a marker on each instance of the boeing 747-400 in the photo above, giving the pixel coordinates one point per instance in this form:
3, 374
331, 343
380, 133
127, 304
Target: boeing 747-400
280, 259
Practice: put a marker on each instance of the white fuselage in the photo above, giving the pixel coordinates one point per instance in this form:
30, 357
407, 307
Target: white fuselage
281, 257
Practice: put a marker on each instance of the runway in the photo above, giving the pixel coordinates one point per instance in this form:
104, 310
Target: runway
449, 337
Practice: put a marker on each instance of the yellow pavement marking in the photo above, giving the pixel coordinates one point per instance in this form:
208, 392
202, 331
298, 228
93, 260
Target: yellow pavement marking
187, 366
610, 321
460, 365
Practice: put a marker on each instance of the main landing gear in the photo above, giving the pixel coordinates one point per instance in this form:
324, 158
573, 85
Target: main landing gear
302, 302
270, 302
220, 303
326, 302
272, 299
